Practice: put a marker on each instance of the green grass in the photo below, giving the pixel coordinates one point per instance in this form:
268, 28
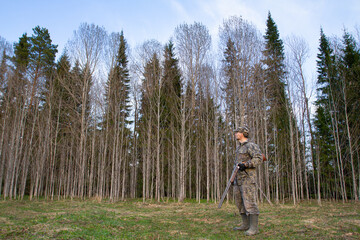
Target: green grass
133, 219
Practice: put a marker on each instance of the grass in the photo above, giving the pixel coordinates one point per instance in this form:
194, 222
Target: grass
133, 219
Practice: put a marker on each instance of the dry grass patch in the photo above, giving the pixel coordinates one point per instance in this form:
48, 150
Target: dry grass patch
177, 233
207, 220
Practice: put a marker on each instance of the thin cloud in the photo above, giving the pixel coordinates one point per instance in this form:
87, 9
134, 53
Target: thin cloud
218, 10
180, 10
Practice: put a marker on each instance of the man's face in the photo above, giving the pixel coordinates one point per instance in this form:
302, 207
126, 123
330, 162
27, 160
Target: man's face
238, 135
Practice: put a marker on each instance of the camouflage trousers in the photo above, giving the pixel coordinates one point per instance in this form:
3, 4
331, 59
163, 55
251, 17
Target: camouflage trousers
245, 198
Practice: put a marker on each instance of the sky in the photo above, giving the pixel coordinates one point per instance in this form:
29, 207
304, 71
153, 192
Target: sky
142, 20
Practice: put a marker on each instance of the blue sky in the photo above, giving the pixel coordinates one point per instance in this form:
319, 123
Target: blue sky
156, 19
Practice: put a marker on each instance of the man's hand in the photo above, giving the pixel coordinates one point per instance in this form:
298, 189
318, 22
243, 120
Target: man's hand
242, 167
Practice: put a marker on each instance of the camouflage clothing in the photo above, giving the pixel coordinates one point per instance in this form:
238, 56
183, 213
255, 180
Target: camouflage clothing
245, 189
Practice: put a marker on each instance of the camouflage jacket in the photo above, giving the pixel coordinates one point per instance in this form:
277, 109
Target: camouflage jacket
250, 153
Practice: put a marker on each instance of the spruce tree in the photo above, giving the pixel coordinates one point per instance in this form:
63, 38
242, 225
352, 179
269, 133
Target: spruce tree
275, 72
76, 76
147, 122
3, 77
350, 70
323, 126
326, 70
230, 87
152, 74
324, 114
116, 119
170, 115
278, 102
22, 53
275, 78
350, 79
118, 86
16, 85
64, 97
171, 90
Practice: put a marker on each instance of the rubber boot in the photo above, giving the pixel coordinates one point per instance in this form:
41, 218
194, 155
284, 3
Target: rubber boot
245, 223
254, 221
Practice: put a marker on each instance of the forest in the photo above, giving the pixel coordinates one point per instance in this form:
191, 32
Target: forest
155, 121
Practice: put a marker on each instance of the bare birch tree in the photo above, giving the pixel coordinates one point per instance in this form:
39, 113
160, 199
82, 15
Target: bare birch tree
85, 47
193, 44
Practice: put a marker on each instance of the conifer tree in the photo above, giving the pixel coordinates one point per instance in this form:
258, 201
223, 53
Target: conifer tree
14, 99
147, 123
20, 60
350, 69
117, 86
42, 51
3, 75
275, 84
116, 119
324, 135
170, 116
230, 87
76, 76
64, 95
22, 53
171, 90
41, 61
275, 72
350, 79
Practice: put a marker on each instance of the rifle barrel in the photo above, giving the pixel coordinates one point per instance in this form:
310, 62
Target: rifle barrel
224, 194
231, 180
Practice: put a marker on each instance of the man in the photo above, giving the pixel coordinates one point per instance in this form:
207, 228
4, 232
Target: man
248, 158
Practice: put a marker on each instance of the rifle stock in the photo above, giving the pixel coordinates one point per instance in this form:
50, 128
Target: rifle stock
231, 180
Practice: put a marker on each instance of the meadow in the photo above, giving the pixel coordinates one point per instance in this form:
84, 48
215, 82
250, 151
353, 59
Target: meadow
135, 219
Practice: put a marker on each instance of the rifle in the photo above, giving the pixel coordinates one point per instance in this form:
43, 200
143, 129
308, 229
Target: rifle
231, 181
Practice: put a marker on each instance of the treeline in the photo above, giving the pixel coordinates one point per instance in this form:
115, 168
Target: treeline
156, 122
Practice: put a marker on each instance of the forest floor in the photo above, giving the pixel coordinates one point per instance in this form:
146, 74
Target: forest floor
133, 219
